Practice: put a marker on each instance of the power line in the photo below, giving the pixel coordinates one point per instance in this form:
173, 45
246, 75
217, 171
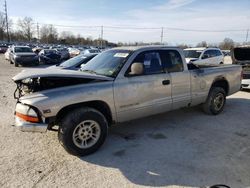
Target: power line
162, 35
247, 35
6, 19
38, 31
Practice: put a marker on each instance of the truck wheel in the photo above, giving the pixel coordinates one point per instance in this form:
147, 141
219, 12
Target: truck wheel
83, 131
215, 102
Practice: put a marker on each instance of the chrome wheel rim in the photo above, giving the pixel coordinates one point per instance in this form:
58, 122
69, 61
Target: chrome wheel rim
219, 101
86, 134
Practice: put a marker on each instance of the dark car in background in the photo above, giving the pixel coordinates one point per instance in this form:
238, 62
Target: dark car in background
241, 56
3, 48
22, 55
49, 56
64, 52
74, 63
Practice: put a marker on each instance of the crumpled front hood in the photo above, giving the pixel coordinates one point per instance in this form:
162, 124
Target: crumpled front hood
41, 73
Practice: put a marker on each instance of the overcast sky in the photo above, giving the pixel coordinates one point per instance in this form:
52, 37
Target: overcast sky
184, 14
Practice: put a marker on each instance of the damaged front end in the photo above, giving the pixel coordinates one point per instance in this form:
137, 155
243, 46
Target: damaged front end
43, 79
32, 85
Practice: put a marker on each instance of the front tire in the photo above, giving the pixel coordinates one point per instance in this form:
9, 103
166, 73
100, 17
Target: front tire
83, 131
215, 102
16, 64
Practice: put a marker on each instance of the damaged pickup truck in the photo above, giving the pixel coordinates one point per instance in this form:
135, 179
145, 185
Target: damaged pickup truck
241, 56
116, 86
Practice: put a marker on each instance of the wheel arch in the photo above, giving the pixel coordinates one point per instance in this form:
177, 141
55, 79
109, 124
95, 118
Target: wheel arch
222, 82
99, 105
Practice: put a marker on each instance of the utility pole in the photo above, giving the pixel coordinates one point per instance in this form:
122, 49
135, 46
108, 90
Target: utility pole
247, 35
162, 30
6, 19
38, 33
101, 36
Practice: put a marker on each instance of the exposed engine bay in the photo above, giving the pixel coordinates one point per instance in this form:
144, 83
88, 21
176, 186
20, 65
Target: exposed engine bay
31, 85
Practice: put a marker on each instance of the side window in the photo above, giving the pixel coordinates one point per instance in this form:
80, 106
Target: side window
218, 53
206, 54
172, 61
213, 53
151, 62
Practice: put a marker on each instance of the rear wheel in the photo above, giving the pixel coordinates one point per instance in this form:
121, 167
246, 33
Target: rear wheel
215, 101
83, 131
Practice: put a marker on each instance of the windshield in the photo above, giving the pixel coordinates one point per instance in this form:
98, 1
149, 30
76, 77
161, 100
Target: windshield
49, 51
192, 53
107, 63
73, 61
23, 49
94, 51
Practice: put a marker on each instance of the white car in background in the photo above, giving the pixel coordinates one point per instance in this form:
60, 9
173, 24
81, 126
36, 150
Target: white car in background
201, 56
7, 54
92, 51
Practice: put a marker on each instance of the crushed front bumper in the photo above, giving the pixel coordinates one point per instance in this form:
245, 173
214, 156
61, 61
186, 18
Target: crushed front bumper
30, 127
245, 83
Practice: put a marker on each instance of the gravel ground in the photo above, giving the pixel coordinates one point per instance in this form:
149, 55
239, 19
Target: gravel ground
184, 148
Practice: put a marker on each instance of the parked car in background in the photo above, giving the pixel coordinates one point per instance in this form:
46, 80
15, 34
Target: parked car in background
74, 63
74, 52
37, 50
3, 48
204, 56
49, 56
64, 52
7, 54
226, 52
23, 55
116, 86
241, 56
90, 51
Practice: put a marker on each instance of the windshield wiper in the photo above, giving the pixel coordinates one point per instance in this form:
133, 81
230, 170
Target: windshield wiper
89, 71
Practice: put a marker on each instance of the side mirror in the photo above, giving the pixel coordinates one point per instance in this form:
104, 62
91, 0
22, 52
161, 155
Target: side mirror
136, 69
205, 56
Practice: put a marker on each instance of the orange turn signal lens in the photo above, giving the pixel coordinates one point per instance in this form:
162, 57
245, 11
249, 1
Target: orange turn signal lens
27, 118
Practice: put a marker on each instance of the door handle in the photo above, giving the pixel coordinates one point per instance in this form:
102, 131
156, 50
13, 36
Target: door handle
165, 82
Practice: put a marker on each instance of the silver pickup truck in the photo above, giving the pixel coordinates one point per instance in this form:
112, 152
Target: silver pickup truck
116, 86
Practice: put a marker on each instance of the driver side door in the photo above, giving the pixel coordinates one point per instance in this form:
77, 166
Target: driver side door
142, 95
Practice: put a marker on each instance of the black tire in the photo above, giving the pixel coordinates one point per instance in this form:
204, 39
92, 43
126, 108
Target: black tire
221, 63
70, 124
215, 102
16, 64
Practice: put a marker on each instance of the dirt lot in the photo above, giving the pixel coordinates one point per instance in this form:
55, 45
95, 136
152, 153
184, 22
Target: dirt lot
183, 148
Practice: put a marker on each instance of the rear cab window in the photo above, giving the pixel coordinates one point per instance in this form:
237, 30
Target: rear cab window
172, 61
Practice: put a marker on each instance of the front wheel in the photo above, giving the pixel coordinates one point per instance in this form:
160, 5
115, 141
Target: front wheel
16, 64
215, 102
83, 131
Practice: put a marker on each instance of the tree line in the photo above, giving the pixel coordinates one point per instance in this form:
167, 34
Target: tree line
27, 31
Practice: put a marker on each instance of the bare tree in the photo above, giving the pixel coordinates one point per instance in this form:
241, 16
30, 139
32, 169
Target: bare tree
26, 26
2, 26
48, 34
227, 44
202, 44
